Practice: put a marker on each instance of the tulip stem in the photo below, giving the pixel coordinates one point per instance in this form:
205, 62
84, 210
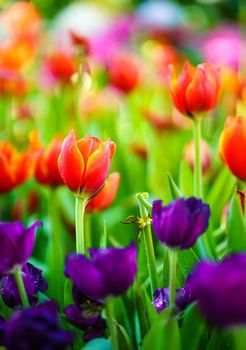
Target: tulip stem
21, 288
80, 205
148, 242
173, 254
111, 323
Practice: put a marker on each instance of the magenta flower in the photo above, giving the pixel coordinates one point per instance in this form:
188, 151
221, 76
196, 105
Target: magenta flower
16, 246
220, 290
179, 224
110, 272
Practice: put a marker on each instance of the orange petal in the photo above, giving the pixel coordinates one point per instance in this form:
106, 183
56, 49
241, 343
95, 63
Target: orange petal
87, 146
7, 181
71, 163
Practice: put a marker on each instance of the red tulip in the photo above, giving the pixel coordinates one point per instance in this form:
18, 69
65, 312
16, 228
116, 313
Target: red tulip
84, 164
61, 65
233, 144
46, 168
15, 167
106, 196
196, 90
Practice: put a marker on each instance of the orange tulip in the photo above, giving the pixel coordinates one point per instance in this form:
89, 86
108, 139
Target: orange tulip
61, 65
106, 196
15, 167
232, 146
196, 91
84, 164
46, 168
124, 73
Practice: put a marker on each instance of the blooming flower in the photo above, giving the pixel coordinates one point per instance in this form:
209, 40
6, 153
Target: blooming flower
124, 73
106, 196
232, 145
110, 272
16, 244
161, 298
61, 66
179, 224
34, 282
84, 164
85, 314
220, 288
196, 91
36, 328
15, 167
46, 168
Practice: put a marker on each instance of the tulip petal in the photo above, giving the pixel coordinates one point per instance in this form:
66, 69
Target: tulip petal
87, 146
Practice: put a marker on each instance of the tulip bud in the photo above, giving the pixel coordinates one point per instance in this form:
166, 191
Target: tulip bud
196, 90
61, 66
232, 146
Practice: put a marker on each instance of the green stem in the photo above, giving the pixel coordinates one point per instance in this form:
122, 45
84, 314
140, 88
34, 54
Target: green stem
173, 254
80, 205
198, 190
21, 287
111, 323
148, 243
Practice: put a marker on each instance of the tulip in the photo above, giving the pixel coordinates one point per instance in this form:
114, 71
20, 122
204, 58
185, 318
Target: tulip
219, 288
46, 169
17, 243
34, 282
124, 73
110, 272
36, 328
106, 196
61, 66
196, 91
179, 224
232, 146
15, 167
84, 164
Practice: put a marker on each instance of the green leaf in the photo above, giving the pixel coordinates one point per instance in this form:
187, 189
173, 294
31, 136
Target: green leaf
124, 340
193, 331
187, 259
98, 344
186, 179
173, 188
164, 334
220, 194
236, 227
68, 292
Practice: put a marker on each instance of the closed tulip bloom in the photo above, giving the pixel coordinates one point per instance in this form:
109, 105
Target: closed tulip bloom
109, 272
179, 224
15, 167
36, 328
16, 246
61, 65
232, 146
106, 196
196, 90
124, 73
46, 168
220, 289
84, 164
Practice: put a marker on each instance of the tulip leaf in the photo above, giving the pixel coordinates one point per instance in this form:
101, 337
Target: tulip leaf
98, 344
187, 259
236, 227
164, 334
68, 292
124, 340
174, 191
193, 331
186, 179
220, 194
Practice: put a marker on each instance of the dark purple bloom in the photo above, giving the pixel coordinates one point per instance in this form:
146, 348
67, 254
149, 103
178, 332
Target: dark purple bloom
110, 271
36, 328
34, 283
2, 323
220, 290
161, 298
179, 224
16, 244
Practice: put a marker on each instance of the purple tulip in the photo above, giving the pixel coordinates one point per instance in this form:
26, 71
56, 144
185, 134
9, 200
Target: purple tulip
36, 328
16, 244
34, 282
220, 290
161, 298
110, 272
179, 224
2, 323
